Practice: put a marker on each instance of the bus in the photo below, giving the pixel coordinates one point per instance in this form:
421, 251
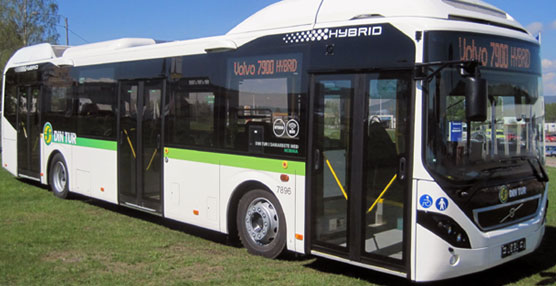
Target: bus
320, 127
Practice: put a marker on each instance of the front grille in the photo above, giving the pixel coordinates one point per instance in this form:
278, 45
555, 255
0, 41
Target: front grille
507, 214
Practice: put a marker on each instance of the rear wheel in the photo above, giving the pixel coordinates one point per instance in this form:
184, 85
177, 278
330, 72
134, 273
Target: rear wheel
58, 177
261, 224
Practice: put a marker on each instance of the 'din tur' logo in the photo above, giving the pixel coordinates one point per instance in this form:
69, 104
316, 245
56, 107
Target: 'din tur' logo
503, 194
47, 133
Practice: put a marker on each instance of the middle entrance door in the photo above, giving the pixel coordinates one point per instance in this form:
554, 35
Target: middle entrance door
140, 145
359, 185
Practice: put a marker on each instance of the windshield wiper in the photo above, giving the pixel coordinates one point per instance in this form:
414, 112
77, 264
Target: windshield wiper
493, 170
541, 176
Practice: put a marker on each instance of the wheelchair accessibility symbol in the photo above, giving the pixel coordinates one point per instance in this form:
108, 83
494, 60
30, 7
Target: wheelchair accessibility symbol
426, 201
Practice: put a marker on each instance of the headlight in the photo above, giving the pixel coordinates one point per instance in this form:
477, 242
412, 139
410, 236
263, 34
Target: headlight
445, 227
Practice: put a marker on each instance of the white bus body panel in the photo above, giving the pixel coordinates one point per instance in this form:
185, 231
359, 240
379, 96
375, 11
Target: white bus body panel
432, 255
200, 193
92, 171
300, 213
9, 139
9, 147
191, 193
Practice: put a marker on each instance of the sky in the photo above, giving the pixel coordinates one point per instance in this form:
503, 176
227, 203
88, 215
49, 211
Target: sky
100, 20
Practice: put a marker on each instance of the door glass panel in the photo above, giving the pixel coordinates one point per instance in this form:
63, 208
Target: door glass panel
22, 128
385, 150
332, 147
34, 130
151, 127
140, 152
28, 127
128, 145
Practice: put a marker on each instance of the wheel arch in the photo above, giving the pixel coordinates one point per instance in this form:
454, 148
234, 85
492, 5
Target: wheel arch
49, 162
233, 203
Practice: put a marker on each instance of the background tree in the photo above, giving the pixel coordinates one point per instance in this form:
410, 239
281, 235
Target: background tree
24, 23
550, 112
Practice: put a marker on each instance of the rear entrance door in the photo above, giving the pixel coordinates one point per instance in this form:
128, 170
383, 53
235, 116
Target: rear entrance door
28, 131
140, 141
359, 182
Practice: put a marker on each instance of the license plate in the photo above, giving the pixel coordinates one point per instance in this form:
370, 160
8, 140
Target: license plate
513, 247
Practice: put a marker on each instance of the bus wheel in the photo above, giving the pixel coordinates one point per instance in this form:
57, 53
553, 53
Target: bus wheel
261, 224
58, 177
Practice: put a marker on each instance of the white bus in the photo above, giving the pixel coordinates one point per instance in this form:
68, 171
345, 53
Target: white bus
275, 132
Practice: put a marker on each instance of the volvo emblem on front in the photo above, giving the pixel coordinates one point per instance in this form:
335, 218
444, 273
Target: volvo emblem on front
511, 214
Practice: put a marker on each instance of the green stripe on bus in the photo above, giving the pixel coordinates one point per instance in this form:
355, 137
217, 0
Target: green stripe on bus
99, 144
247, 162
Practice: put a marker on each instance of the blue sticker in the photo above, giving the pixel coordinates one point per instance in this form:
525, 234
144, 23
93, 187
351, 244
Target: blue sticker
425, 201
442, 204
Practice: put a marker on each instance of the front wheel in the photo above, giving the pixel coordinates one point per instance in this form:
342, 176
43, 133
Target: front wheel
58, 177
261, 224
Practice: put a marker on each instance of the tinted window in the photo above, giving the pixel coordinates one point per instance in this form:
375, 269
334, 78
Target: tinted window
58, 98
10, 99
96, 103
263, 105
190, 114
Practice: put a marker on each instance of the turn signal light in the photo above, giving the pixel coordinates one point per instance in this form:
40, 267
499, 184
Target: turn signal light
284, 178
195, 212
102, 189
299, 236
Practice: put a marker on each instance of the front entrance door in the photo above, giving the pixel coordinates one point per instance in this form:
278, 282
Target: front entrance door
359, 169
140, 141
28, 131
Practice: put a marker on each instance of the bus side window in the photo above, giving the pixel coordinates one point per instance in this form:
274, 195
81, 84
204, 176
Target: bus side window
10, 99
57, 98
259, 115
97, 103
190, 116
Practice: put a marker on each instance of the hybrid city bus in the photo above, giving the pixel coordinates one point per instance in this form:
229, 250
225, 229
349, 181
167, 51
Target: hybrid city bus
400, 136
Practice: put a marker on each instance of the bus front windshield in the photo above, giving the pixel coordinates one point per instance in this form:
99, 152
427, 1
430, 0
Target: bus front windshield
503, 145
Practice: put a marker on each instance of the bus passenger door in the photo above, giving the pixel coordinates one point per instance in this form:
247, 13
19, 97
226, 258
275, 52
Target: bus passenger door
359, 182
28, 131
140, 145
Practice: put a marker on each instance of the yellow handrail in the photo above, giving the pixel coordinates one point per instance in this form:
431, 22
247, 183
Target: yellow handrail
336, 178
382, 194
152, 158
130, 144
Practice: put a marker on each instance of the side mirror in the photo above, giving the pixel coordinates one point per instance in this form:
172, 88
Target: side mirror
476, 96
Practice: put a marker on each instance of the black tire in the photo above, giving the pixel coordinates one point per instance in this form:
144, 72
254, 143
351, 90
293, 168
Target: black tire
58, 176
261, 224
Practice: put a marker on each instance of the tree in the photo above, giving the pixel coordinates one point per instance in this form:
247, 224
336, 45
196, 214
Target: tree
24, 23
550, 112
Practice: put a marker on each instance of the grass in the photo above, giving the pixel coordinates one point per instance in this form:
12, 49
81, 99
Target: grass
48, 241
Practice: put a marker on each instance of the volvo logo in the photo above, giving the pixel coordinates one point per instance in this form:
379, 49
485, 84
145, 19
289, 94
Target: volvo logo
504, 194
511, 214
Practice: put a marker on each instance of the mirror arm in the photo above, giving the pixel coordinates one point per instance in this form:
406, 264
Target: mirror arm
421, 70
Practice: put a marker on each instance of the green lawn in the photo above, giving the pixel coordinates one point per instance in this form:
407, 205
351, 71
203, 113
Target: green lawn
48, 241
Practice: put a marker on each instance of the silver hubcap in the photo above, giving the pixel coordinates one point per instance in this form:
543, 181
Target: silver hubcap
261, 221
60, 177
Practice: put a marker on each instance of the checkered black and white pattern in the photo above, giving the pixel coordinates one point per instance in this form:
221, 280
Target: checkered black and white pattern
307, 36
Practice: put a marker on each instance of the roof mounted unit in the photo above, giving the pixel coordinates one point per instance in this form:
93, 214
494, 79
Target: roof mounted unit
40, 52
107, 46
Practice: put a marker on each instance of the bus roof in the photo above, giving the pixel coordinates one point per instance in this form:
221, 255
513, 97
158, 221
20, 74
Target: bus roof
290, 13
283, 15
